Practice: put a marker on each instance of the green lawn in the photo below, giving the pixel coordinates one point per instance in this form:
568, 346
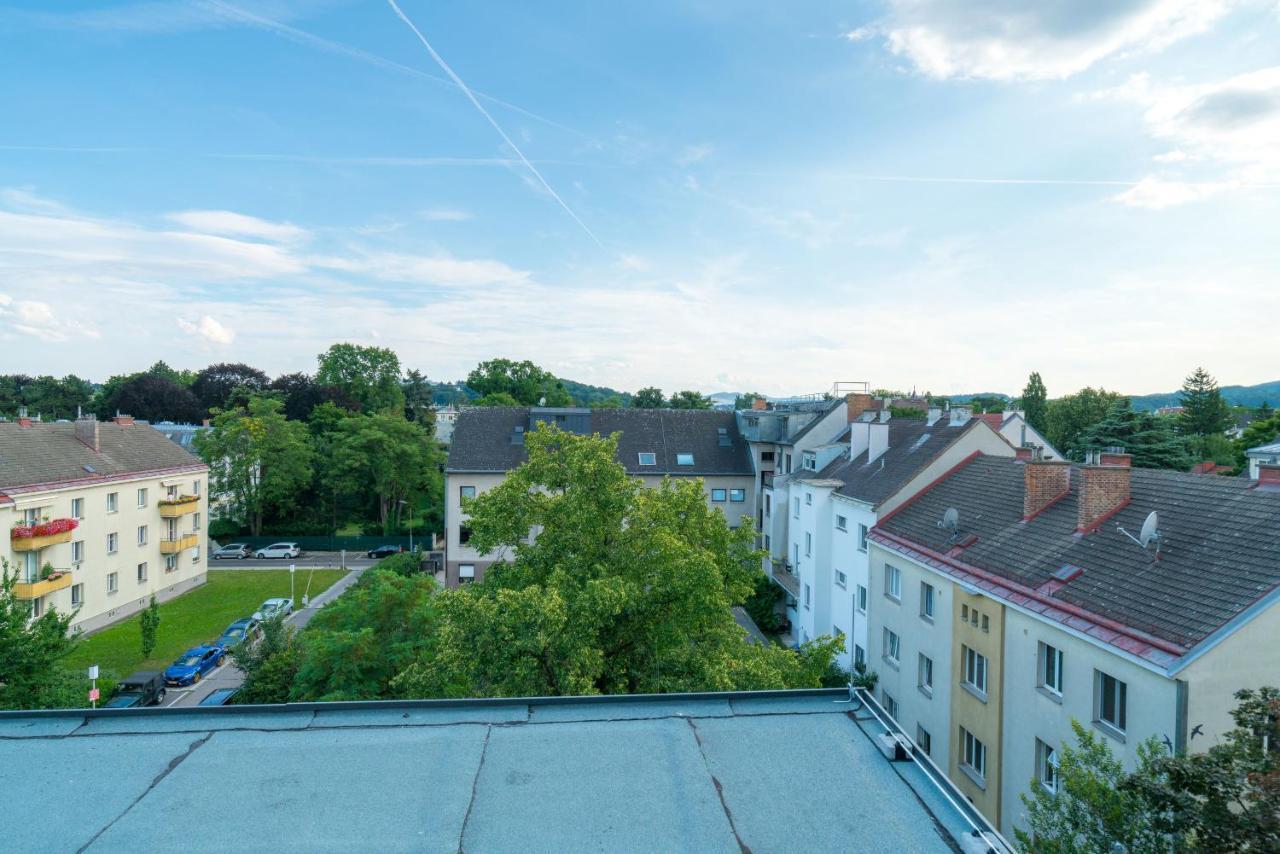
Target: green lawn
197, 617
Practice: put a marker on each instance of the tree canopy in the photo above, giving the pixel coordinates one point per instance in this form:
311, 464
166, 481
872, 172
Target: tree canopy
498, 380
370, 375
1035, 402
649, 397
689, 400
1149, 438
215, 385
30, 652
1204, 412
1067, 418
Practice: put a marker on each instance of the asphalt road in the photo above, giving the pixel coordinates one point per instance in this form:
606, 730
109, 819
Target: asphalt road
310, 560
230, 676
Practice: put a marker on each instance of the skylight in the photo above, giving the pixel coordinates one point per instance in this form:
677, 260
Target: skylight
684, 459
647, 458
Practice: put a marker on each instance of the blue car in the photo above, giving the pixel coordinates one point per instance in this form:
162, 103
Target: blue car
193, 664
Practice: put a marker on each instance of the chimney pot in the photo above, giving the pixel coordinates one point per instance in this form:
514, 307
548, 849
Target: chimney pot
1023, 454
1044, 482
856, 404
124, 420
1104, 489
1115, 458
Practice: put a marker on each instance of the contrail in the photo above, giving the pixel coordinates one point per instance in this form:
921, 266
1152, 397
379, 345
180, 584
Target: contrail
472, 98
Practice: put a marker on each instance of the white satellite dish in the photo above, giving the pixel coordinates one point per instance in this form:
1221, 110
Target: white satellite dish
1149, 531
950, 519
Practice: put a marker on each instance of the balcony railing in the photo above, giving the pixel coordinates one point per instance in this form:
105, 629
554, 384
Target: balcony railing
788, 582
35, 589
172, 508
179, 543
38, 535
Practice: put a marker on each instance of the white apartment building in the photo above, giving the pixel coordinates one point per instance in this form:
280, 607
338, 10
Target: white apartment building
100, 516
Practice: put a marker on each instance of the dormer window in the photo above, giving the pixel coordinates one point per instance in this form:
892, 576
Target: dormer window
684, 459
810, 461
647, 458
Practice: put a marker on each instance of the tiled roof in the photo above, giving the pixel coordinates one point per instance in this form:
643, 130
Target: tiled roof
1219, 552
50, 453
912, 445
482, 440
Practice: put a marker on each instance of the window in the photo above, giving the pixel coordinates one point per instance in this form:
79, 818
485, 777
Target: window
893, 582
170, 563
142, 572
926, 600
195, 554
464, 534
77, 595
924, 741
1050, 669
974, 757
113, 582
1110, 706
808, 544
112, 543
842, 580
142, 497
768, 505
195, 522
964, 613
142, 535
766, 456
842, 523
986, 623
795, 502
862, 599
767, 541
737, 496
466, 492
719, 495
862, 537
113, 502
1046, 766
924, 676
809, 461
795, 556
807, 597
77, 551
684, 459
808, 499
195, 488
975, 670
77, 508
788, 464
890, 706
892, 646
859, 656
466, 573
647, 458
171, 492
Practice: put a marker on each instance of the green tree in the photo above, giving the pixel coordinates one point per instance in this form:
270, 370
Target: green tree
1094, 806
1067, 418
30, 652
258, 458
1264, 411
1264, 431
1204, 412
418, 394
1035, 402
524, 382
496, 398
215, 385
689, 400
149, 624
1149, 438
649, 397
270, 666
152, 397
744, 401
393, 458
624, 590
370, 375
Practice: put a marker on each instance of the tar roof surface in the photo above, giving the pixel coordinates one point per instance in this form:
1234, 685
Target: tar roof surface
1219, 554
50, 453
912, 444
482, 440
698, 773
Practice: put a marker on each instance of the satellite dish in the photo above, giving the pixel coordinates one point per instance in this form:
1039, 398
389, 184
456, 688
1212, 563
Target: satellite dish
950, 519
1149, 531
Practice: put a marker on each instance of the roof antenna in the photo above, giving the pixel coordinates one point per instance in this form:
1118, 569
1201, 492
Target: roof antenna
951, 522
1150, 533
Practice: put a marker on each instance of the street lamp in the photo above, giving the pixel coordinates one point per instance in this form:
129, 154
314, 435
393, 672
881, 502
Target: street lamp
404, 503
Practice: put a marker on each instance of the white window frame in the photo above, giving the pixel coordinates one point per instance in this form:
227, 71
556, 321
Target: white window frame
842, 523
77, 594
808, 544
928, 600
77, 508
890, 704
842, 580
796, 504
892, 647
1120, 689
113, 543
974, 666
973, 756
924, 674
808, 499
142, 572
862, 537
808, 597
809, 460
142, 496
861, 599
1049, 669
646, 458
77, 551
195, 488
924, 740
1046, 766
684, 459
113, 583
113, 502
892, 582
463, 493
170, 563
142, 535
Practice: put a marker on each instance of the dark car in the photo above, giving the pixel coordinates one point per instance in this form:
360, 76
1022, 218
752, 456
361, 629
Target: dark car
234, 551
384, 551
144, 688
238, 632
193, 664
219, 697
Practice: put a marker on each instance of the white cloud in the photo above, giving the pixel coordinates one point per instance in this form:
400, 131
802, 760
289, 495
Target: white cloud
1170, 157
1048, 39
239, 225
208, 329
40, 320
1155, 193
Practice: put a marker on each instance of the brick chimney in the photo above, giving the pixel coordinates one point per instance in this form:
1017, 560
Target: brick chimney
1044, 482
1023, 454
1104, 489
758, 403
87, 432
23, 419
124, 420
1268, 476
856, 404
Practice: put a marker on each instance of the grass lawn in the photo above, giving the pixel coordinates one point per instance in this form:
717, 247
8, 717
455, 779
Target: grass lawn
197, 617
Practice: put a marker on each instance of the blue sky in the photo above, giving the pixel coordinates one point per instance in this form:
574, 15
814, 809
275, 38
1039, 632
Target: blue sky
737, 195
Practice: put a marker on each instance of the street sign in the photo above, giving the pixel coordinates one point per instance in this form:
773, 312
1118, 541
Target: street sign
93, 695
293, 567
93, 671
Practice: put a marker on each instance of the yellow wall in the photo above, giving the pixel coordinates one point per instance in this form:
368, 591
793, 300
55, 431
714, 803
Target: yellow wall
982, 719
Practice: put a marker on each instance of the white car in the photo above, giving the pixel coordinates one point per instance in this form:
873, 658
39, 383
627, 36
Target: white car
273, 608
281, 550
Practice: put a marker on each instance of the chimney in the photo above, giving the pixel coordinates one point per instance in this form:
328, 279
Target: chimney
1115, 457
935, 415
856, 404
885, 415
124, 420
878, 440
1104, 489
758, 403
87, 432
1044, 482
960, 415
1268, 476
1023, 454
859, 438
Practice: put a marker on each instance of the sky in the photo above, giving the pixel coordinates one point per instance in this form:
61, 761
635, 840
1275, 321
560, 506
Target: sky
724, 196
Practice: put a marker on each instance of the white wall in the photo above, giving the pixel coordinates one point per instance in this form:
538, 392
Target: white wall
848, 558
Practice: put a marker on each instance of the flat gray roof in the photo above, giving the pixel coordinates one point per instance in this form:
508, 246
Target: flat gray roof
759, 772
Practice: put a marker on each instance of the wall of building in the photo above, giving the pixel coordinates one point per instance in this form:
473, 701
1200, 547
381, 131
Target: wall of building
979, 713
810, 554
847, 557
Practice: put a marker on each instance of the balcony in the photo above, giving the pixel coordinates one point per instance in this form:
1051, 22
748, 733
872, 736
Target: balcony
173, 508
180, 543
39, 535
786, 580
35, 589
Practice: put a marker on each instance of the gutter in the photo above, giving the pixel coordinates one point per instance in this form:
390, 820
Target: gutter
49, 486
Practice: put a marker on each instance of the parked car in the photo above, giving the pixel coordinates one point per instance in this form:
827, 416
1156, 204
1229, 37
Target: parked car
219, 697
238, 632
278, 550
144, 688
385, 551
235, 551
193, 664
273, 608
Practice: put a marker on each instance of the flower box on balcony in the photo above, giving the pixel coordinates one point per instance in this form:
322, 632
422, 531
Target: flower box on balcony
58, 580
171, 508
29, 538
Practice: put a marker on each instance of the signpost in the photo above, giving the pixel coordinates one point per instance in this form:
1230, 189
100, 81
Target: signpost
293, 568
93, 692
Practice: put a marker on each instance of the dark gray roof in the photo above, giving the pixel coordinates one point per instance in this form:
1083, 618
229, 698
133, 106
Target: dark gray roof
50, 453
1220, 551
482, 439
912, 446
823, 412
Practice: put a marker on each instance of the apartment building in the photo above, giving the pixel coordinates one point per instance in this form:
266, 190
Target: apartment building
1014, 426
653, 444
1013, 596
100, 516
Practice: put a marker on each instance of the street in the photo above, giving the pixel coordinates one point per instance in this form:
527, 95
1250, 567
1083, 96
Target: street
310, 560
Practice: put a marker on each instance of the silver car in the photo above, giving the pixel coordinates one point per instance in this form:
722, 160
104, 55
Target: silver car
273, 608
278, 550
